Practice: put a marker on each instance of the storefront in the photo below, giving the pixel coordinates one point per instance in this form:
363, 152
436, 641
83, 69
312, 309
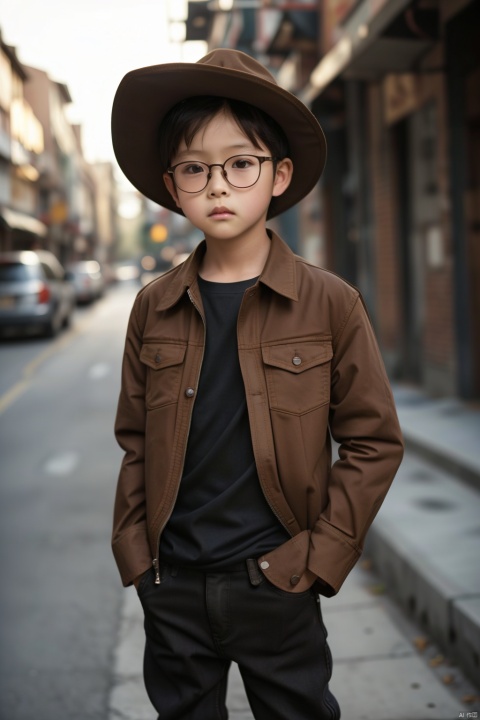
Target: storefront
463, 82
19, 231
401, 194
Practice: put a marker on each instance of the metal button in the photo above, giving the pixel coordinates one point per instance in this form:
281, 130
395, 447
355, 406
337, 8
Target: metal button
264, 565
297, 360
295, 579
157, 358
189, 392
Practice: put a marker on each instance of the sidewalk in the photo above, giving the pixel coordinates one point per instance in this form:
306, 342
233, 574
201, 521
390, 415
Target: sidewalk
445, 431
379, 672
425, 542
425, 545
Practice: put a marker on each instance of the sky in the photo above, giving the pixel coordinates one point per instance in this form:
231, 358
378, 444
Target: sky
90, 45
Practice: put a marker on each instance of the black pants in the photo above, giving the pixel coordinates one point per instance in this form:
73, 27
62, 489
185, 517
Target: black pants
196, 623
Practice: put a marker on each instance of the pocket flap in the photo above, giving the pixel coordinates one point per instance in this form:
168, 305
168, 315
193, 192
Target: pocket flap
162, 355
297, 357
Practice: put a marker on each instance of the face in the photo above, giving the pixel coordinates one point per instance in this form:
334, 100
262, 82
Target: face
220, 210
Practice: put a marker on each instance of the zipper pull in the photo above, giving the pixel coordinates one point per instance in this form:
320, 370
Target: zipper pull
157, 571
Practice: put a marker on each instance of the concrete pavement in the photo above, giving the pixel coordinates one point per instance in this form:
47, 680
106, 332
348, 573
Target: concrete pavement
444, 431
381, 671
425, 542
424, 548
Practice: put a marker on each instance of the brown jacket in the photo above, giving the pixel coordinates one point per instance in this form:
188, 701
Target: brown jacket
311, 368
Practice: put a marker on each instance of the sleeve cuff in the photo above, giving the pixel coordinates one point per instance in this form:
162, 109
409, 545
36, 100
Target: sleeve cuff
132, 553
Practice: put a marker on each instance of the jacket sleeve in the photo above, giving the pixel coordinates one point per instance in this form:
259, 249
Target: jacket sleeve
363, 421
129, 540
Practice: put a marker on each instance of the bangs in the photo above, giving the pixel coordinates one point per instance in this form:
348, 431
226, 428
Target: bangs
187, 118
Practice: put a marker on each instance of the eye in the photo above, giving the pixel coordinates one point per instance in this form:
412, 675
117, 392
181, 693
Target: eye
242, 163
192, 169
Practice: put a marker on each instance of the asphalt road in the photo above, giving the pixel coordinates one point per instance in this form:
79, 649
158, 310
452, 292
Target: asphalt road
60, 592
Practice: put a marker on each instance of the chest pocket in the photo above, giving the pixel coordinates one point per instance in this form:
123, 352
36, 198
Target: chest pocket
298, 375
164, 374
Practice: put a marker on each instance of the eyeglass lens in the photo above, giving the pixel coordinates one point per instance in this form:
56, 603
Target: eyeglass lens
241, 171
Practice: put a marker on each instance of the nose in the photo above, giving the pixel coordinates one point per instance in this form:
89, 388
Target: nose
217, 184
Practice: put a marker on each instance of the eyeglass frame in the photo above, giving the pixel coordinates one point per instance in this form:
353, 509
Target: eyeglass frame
260, 158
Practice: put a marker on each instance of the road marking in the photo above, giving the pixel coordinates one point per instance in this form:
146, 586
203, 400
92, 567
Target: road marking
62, 464
16, 390
58, 344
11, 395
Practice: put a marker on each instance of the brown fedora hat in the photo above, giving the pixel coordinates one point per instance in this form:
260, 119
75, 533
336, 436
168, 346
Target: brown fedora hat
144, 96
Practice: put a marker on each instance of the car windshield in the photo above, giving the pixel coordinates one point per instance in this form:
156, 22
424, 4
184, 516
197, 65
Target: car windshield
17, 271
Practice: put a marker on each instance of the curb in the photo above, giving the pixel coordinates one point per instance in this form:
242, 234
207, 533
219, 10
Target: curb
445, 461
442, 431
430, 597
442, 592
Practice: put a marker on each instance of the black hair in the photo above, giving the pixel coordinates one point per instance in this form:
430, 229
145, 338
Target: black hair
186, 118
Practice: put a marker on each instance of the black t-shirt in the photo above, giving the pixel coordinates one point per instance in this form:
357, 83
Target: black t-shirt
221, 515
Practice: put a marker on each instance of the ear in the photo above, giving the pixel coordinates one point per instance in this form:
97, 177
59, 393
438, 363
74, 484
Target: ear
170, 185
283, 176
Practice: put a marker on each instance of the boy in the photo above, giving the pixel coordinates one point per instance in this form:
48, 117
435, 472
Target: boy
238, 365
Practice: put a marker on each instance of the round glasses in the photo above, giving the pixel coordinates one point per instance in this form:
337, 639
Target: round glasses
240, 171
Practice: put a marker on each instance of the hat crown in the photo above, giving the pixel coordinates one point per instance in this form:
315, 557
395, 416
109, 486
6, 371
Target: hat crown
237, 60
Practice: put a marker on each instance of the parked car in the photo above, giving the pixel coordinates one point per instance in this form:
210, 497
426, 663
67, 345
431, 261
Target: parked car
35, 293
88, 280
126, 271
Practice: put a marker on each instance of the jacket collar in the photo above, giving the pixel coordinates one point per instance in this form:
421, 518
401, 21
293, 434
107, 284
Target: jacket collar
278, 274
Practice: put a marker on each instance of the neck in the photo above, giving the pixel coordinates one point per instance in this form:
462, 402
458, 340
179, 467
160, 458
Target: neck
233, 261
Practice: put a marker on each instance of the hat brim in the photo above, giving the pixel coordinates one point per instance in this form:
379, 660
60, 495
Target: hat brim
144, 96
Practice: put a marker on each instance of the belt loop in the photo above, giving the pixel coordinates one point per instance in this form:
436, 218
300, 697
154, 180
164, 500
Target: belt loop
254, 574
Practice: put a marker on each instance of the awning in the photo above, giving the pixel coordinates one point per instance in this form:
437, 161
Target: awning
366, 49
20, 221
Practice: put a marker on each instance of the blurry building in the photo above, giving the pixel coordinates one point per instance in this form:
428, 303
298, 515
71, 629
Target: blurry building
65, 186
397, 90
396, 87
106, 203
84, 196
131, 221
21, 149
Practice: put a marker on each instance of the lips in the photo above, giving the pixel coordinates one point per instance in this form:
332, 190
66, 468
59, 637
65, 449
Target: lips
220, 212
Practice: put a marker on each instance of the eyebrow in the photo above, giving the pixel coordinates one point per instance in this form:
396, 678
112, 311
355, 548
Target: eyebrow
245, 147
